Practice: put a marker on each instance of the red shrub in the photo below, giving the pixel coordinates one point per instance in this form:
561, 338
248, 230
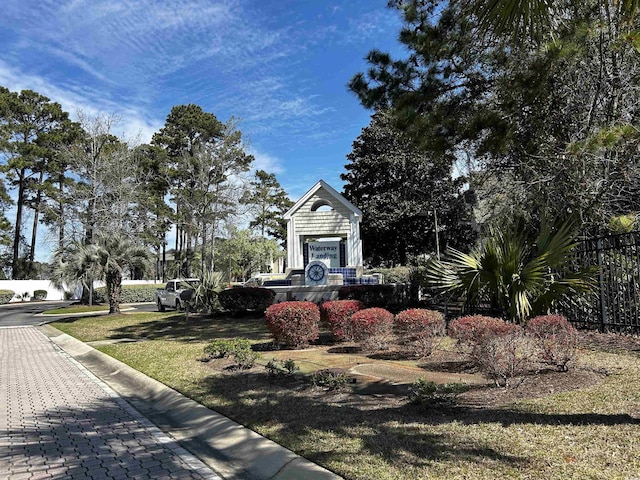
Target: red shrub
555, 338
468, 330
372, 327
499, 349
337, 314
418, 328
293, 324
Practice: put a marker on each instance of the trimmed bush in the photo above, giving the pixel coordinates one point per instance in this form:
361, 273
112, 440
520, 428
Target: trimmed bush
418, 328
246, 298
6, 296
238, 348
40, 294
129, 294
330, 380
427, 394
555, 339
468, 330
336, 314
372, 327
293, 324
381, 296
499, 349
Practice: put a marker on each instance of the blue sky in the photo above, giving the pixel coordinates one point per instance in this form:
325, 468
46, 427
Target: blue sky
281, 66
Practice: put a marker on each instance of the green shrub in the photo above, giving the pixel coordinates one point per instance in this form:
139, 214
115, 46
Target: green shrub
225, 347
293, 324
555, 339
40, 294
129, 294
243, 299
329, 380
337, 314
372, 327
425, 393
6, 296
238, 348
281, 367
381, 296
418, 328
392, 275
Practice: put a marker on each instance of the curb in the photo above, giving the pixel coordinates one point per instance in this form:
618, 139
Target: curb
232, 450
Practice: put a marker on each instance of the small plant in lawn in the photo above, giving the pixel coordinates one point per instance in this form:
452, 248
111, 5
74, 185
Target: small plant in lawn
372, 327
238, 348
499, 349
293, 324
419, 328
281, 367
555, 339
329, 380
337, 315
425, 393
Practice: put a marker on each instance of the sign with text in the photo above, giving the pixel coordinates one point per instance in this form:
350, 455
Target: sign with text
327, 252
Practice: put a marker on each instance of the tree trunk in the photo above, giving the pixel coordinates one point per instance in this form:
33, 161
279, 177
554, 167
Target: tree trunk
34, 230
114, 288
61, 211
16, 271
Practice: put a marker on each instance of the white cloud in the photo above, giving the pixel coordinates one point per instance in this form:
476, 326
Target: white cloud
266, 162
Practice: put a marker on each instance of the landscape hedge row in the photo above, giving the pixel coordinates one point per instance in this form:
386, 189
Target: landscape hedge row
6, 296
129, 294
246, 299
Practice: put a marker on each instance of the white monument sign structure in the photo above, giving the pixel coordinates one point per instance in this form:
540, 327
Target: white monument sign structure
323, 232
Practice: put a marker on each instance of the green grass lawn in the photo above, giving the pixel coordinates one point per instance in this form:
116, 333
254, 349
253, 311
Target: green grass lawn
591, 433
77, 309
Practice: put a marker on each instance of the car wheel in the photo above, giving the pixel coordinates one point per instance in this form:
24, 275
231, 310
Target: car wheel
160, 306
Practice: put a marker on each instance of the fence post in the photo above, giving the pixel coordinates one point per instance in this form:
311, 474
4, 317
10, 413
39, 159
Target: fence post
603, 308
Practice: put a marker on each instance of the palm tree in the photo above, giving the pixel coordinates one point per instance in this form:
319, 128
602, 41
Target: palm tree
106, 259
517, 277
533, 18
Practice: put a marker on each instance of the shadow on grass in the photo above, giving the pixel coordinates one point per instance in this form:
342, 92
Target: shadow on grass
396, 433
196, 329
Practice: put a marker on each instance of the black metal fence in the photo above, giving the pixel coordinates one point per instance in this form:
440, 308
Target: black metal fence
616, 305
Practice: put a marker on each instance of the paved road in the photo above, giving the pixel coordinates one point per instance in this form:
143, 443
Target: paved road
19, 314
57, 420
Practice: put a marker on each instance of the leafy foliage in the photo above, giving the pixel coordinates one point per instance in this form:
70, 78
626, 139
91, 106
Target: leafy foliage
428, 394
372, 327
400, 190
246, 298
419, 329
293, 324
337, 314
516, 276
237, 348
381, 296
6, 296
330, 380
499, 349
277, 367
555, 338
128, 294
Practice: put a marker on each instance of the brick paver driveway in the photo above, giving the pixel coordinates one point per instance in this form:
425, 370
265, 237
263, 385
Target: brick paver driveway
57, 420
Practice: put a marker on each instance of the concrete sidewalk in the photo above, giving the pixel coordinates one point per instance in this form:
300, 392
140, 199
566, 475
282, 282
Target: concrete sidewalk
230, 449
57, 420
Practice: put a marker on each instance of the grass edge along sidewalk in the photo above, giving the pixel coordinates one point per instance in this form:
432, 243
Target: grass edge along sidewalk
229, 448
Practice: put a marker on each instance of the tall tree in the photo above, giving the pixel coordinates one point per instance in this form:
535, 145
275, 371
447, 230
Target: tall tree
550, 126
33, 129
268, 202
404, 195
186, 131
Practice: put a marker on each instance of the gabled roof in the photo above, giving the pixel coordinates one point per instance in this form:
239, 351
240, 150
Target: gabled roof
331, 191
